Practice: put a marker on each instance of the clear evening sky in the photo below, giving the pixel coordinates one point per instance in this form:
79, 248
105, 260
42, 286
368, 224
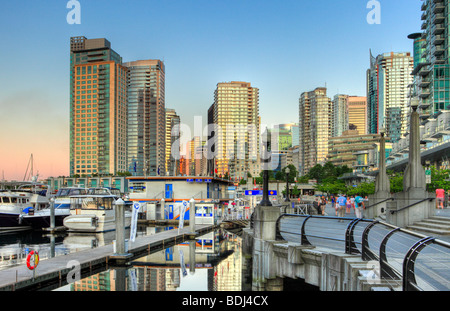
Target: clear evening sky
282, 47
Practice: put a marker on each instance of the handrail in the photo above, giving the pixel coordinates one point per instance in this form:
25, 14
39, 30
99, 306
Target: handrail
288, 228
388, 199
403, 208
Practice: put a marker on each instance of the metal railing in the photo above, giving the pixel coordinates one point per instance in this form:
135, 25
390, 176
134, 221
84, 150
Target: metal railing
416, 261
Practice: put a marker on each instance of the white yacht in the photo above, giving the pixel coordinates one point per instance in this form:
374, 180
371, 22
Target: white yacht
93, 213
25, 199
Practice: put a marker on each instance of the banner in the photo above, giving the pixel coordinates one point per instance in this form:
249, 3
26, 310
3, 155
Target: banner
182, 265
183, 209
134, 217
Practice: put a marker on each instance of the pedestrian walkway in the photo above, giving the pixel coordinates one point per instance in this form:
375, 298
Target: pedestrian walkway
440, 212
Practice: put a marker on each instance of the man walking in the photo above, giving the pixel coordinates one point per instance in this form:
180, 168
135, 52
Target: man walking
341, 201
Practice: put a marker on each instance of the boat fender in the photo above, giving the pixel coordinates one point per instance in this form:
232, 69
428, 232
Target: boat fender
32, 264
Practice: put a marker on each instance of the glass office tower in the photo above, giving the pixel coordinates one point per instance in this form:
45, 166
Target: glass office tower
146, 140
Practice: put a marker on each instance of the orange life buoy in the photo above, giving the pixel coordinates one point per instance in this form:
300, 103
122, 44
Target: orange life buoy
32, 264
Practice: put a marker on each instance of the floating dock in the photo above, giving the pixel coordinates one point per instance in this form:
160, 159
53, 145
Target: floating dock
53, 273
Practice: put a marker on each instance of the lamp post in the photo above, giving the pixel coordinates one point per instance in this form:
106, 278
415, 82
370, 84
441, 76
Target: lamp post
266, 158
287, 185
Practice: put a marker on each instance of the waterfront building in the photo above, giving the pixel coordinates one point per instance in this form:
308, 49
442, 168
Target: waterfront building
98, 108
352, 149
315, 118
235, 113
179, 188
388, 81
146, 131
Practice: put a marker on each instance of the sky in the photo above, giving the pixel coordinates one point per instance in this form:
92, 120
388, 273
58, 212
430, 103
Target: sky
282, 47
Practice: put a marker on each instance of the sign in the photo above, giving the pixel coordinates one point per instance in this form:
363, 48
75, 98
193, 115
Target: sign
259, 192
428, 176
198, 180
190, 180
208, 180
134, 217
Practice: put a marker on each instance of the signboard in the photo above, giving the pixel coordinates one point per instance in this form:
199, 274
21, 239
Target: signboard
208, 180
428, 176
190, 180
259, 192
198, 180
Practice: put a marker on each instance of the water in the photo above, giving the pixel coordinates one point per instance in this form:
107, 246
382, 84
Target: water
217, 266
218, 263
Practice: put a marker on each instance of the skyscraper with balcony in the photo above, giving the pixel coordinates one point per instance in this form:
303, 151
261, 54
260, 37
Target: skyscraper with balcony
98, 108
146, 126
315, 119
235, 112
431, 59
388, 81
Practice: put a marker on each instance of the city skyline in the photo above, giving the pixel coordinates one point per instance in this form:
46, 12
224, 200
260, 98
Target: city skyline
201, 43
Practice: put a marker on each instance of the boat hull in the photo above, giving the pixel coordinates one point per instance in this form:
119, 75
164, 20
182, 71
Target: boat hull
39, 222
91, 223
9, 220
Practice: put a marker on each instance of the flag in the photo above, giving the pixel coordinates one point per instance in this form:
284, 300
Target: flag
134, 217
182, 265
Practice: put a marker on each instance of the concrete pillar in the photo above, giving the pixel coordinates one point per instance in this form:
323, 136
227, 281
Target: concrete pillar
192, 215
120, 226
414, 176
382, 184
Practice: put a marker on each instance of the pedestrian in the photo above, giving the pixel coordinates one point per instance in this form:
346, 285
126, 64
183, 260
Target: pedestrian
440, 196
323, 203
348, 206
316, 205
359, 201
352, 200
341, 202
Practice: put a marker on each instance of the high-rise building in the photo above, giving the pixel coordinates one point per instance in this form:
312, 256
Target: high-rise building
146, 142
315, 118
235, 113
357, 114
98, 108
431, 59
388, 81
340, 115
172, 134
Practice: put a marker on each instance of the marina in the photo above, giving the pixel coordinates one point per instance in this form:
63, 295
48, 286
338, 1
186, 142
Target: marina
56, 269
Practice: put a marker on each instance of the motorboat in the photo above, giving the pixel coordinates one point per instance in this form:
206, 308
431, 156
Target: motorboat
62, 196
93, 213
16, 202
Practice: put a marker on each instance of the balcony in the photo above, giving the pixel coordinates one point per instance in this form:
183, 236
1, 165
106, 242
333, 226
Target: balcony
439, 8
438, 51
425, 94
438, 40
439, 18
438, 30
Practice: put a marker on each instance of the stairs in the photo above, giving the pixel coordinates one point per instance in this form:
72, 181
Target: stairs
437, 225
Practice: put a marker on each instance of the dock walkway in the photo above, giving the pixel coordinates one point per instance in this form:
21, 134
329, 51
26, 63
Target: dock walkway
53, 272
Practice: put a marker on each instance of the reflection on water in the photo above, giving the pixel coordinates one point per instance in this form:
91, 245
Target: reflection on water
212, 262
14, 248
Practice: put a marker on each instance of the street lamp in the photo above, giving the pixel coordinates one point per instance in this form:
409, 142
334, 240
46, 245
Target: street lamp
287, 185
